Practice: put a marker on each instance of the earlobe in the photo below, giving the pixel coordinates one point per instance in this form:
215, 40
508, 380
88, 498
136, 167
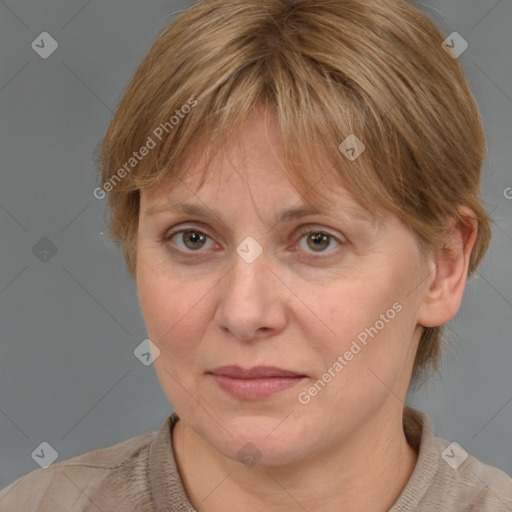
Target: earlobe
442, 299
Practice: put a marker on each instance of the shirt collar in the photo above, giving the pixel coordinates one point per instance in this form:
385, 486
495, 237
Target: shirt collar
419, 433
167, 487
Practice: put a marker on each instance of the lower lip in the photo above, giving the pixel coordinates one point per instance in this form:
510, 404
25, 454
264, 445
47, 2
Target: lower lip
253, 389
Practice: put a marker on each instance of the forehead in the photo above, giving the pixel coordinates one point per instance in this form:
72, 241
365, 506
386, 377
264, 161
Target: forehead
283, 204
252, 160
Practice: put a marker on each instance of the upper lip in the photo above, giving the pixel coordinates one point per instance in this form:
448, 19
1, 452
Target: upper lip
257, 372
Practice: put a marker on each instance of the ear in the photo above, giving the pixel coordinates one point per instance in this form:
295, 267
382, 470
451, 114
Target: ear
444, 296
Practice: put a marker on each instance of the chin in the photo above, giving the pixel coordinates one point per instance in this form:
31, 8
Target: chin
255, 440
261, 452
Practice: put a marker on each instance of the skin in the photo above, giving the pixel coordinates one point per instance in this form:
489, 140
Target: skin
296, 309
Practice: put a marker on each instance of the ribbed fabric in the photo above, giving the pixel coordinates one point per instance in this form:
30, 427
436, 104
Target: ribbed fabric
140, 475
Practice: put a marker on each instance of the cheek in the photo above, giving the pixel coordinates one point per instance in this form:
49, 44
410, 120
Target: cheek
172, 310
370, 326
357, 305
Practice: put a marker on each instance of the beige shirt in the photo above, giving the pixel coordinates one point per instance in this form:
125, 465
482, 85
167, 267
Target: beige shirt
140, 474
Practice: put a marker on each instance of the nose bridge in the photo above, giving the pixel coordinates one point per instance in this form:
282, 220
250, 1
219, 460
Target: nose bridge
248, 300
246, 281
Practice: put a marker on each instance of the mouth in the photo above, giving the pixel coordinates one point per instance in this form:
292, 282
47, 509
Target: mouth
255, 383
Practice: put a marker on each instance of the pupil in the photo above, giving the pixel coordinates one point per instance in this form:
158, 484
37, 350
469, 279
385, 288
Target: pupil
319, 237
195, 237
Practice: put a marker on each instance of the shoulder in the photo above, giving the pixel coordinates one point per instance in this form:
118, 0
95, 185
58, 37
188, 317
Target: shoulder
447, 477
66, 483
453, 479
468, 483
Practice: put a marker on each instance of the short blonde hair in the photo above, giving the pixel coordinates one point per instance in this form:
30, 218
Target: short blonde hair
328, 69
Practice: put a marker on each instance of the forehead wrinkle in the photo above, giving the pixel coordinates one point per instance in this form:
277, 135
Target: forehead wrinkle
284, 216
336, 208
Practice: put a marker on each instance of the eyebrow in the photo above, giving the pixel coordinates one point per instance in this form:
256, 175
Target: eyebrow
198, 210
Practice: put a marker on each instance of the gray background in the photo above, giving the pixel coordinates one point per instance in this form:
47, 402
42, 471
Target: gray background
69, 325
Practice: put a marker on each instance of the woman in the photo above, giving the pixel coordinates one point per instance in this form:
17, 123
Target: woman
295, 186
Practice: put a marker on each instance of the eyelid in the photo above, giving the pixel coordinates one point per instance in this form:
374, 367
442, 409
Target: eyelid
302, 230
312, 228
179, 229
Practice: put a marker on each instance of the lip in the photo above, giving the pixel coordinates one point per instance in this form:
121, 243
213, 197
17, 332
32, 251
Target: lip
255, 383
257, 372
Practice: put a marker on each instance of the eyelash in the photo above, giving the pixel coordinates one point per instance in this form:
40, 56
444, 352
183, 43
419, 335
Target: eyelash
302, 232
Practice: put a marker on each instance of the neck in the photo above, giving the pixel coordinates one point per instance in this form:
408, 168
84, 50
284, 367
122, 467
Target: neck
368, 472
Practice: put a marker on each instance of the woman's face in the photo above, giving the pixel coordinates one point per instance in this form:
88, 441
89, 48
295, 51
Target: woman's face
332, 298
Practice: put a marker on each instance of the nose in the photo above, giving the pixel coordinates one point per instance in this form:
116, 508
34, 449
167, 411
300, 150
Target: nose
251, 305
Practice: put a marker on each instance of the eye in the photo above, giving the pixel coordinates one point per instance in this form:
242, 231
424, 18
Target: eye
317, 240
192, 239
